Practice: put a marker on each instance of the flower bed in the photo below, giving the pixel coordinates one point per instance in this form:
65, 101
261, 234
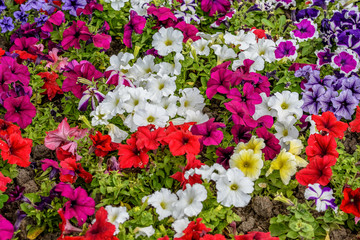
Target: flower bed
209, 119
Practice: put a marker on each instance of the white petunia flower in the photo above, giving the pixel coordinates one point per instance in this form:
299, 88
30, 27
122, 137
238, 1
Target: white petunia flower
242, 39
138, 96
129, 122
117, 135
116, 216
263, 108
179, 226
190, 201
286, 103
234, 188
191, 100
285, 130
143, 68
113, 102
258, 64
100, 116
117, 4
162, 200
223, 52
196, 116
264, 48
140, 6
168, 40
169, 104
150, 114
161, 86
145, 231
201, 47
172, 69
120, 63
211, 173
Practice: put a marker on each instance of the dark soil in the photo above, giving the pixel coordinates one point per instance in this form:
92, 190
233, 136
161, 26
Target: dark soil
115, 46
350, 141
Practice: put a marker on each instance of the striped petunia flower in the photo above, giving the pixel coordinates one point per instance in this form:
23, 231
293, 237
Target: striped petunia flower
323, 197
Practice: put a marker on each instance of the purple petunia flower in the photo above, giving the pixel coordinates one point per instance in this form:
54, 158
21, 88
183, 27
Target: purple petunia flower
6, 228
307, 29
12, 71
314, 79
215, 6
219, 82
211, 136
19, 110
345, 105
41, 20
21, 15
305, 72
80, 205
72, 35
287, 3
346, 60
353, 84
224, 156
136, 24
311, 13
33, 4
323, 197
350, 39
326, 103
311, 99
286, 49
324, 56
90, 94
20, 215
6, 24
2, 6
73, 5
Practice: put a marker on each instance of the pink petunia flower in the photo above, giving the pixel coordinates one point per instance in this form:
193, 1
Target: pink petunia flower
72, 35
19, 110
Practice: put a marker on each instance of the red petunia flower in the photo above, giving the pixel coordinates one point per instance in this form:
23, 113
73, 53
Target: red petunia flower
50, 84
65, 226
213, 237
181, 142
7, 128
194, 231
148, 137
256, 236
20, 1
317, 171
72, 169
260, 33
355, 125
351, 201
328, 123
25, 55
2, 52
101, 229
16, 150
192, 179
131, 156
319, 145
3, 181
102, 143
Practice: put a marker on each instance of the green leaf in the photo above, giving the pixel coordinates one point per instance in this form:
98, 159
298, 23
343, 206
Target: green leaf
278, 229
292, 235
267, 23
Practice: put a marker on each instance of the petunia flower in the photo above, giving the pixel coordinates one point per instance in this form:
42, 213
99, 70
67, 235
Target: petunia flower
249, 97
208, 131
6, 24
16, 150
323, 197
65, 226
219, 82
47, 163
92, 95
272, 146
116, 216
324, 56
285, 162
6, 229
286, 48
311, 99
102, 144
7, 129
256, 144
167, 40
295, 148
328, 123
194, 230
50, 84
353, 84
189, 31
149, 137
12, 71
73, 5
256, 235
317, 171
355, 124
3, 181
131, 156
162, 200
248, 162
102, 228
240, 113
234, 188
136, 24
224, 156
307, 29
347, 60
345, 104
321, 146
190, 201
351, 201
241, 133
80, 205
181, 142
188, 174
286, 103
215, 6
77, 31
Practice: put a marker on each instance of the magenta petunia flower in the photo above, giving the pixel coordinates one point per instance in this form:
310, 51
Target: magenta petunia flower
272, 146
215, 6
57, 18
6, 229
211, 136
80, 205
162, 13
19, 110
241, 133
249, 97
307, 29
219, 82
72, 35
346, 60
136, 24
23, 44
12, 71
102, 40
83, 70
189, 31
240, 114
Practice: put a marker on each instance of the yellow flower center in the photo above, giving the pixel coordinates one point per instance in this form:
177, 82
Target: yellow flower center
234, 187
150, 119
284, 105
285, 132
168, 42
161, 86
163, 205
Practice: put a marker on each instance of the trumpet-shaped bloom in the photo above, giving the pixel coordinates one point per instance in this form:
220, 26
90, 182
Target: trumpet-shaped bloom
328, 124
248, 162
355, 124
215, 6
211, 136
190, 201
295, 147
72, 35
136, 24
162, 200
272, 146
3, 181
321, 146
255, 144
168, 40
234, 188
285, 162
16, 150
102, 228
6, 229
351, 201
323, 197
19, 110
286, 103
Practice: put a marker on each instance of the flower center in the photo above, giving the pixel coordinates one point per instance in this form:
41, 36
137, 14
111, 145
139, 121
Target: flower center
234, 187
285, 132
161, 86
168, 42
163, 205
186, 104
150, 119
284, 105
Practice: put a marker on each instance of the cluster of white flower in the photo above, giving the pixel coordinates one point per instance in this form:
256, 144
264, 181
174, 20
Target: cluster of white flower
116, 216
150, 98
286, 107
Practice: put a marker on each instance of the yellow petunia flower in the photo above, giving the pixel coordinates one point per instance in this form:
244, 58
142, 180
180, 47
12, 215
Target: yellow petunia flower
285, 162
295, 148
248, 162
256, 144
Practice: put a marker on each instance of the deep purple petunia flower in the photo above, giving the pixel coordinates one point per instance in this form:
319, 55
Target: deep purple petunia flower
136, 24
215, 6
80, 205
272, 146
20, 215
224, 156
18, 195
84, 70
353, 84
21, 16
19, 110
311, 99
286, 49
41, 20
351, 39
311, 13
241, 133
219, 82
72, 35
6, 229
6, 24
326, 103
211, 136
307, 29
73, 5
345, 105
324, 56
346, 60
